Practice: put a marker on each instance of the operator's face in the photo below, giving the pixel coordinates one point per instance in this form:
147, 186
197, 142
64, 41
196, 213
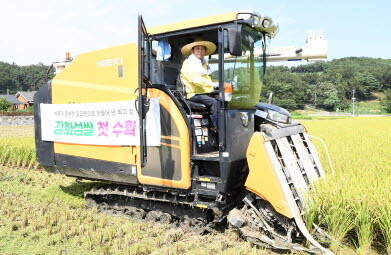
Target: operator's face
199, 51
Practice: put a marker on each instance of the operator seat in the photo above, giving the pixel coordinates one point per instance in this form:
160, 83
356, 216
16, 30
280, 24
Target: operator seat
193, 106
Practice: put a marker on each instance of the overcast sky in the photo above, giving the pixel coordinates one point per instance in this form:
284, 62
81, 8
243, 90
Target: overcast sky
43, 30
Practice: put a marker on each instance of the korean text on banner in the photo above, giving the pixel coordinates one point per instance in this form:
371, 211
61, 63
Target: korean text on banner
107, 123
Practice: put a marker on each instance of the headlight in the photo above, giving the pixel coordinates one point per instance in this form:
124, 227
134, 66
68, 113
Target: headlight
256, 21
273, 113
278, 117
266, 23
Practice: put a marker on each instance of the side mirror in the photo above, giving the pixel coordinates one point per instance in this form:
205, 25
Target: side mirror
234, 42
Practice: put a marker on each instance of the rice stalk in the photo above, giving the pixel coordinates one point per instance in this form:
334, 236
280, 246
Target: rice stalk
339, 219
384, 221
364, 228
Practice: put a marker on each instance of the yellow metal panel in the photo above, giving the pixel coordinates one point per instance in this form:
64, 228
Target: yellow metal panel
118, 154
217, 19
99, 76
262, 178
95, 77
184, 145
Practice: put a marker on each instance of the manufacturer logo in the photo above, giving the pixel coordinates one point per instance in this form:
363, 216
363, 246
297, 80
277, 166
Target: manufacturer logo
110, 62
244, 118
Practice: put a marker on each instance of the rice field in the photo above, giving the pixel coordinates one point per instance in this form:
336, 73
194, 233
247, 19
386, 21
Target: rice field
43, 213
354, 204
17, 147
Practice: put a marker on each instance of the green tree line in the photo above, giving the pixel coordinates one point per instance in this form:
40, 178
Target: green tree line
22, 78
329, 85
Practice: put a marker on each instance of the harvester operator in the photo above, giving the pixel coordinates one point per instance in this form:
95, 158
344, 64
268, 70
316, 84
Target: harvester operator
194, 76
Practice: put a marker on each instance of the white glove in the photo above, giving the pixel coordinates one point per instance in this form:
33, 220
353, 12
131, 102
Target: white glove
215, 85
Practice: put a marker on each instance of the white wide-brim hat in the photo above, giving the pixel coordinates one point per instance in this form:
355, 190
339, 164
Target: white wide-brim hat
210, 47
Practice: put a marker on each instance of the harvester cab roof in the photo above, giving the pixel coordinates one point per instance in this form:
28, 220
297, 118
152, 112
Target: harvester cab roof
120, 115
259, 22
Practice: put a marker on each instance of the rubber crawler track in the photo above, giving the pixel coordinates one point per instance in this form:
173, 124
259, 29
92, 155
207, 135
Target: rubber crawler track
136, 204
150, 207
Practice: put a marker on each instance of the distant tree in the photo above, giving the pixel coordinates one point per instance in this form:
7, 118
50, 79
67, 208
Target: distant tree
289, 90
387, 101
310, 78
316, 67
331, 101
327, 96
385, 78
7, 77
4, 104
31, 77
368, 83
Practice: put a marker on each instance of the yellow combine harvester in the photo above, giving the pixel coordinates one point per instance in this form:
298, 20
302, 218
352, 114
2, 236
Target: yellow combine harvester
120, 115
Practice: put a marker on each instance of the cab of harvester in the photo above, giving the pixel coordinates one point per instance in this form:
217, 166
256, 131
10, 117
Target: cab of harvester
120, 115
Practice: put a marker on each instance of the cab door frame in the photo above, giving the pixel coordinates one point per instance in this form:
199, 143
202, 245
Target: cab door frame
152, 172
144, 55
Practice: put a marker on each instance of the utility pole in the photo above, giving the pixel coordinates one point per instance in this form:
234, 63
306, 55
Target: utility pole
315, 99
353, 99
